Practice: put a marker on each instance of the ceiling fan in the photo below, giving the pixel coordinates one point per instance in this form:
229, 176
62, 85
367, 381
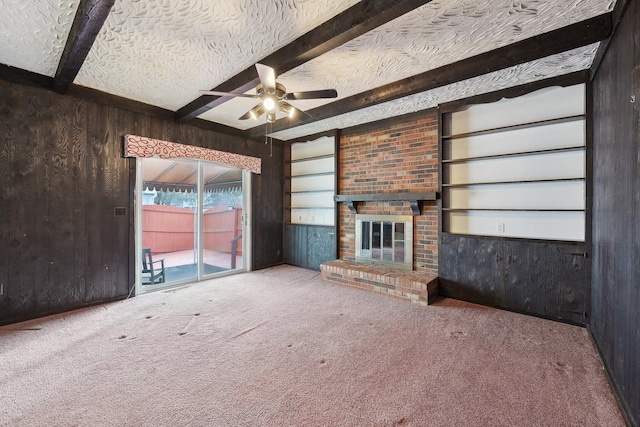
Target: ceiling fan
274, 97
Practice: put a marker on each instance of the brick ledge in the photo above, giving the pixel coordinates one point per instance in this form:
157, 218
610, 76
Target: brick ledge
417, 287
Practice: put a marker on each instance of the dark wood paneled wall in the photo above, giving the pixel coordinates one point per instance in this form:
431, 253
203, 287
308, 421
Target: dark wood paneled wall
615, 324
308, 246
61, 176
268, 218
545, 279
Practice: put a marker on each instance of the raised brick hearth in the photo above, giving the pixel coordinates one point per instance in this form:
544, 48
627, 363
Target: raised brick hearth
418, 287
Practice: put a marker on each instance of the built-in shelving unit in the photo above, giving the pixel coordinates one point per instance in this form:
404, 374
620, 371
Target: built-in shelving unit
310, 182
516, 167
310, 214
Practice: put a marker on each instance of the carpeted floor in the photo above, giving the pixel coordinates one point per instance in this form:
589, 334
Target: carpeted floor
279, 347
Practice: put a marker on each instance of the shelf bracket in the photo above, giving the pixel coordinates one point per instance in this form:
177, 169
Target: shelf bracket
414, 199
415, 207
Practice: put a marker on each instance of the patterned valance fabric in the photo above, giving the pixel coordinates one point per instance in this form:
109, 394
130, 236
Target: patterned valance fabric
140, 146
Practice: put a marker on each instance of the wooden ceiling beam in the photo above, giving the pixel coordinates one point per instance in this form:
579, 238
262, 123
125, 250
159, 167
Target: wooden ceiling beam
87, 23
347, 25
537, 47
24, 77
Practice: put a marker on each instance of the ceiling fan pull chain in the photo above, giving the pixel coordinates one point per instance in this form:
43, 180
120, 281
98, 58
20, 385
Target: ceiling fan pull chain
267, 138
271, 140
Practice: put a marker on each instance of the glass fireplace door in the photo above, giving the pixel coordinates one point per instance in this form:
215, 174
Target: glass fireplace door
385, 240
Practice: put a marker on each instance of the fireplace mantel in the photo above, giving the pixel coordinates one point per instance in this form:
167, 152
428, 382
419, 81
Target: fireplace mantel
413, 198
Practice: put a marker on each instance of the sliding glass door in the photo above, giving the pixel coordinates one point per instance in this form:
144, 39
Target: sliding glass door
191, 217
222, 218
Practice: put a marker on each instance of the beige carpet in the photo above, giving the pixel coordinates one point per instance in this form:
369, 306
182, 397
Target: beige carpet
279, 347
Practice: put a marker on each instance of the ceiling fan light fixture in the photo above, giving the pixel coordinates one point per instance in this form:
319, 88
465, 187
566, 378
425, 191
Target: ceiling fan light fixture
269, 104
271, 116
288, 110
256, 111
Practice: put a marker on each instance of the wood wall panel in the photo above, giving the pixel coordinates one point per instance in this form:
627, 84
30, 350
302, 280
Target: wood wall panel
6, 154
267, 222
78, 135
574, 281
107, 235
56, 220
308, 246
296, 243
469, 269
321, 247
616, 210
524, 284
61, 176
540, 278
22, 183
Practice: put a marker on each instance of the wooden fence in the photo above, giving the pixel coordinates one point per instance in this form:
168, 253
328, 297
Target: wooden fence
172, 228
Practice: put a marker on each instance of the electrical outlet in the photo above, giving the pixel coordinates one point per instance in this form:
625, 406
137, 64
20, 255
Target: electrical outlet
500, 227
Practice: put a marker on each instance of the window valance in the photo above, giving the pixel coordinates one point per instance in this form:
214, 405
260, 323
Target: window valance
140, 146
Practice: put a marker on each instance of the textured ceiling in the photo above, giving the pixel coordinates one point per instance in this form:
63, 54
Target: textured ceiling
436, 34
33, 33
556, 65
161, 52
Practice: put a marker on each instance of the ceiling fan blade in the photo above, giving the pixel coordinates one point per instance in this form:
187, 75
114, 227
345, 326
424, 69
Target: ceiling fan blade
216, 93
292, 111
312, 94
267, 77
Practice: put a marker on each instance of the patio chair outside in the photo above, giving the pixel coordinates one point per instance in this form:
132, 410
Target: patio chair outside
151, 273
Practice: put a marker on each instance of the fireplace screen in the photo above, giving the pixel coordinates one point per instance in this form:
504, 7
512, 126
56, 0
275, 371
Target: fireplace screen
385, 240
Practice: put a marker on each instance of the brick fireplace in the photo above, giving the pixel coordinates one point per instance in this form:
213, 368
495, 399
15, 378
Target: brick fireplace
397, 158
